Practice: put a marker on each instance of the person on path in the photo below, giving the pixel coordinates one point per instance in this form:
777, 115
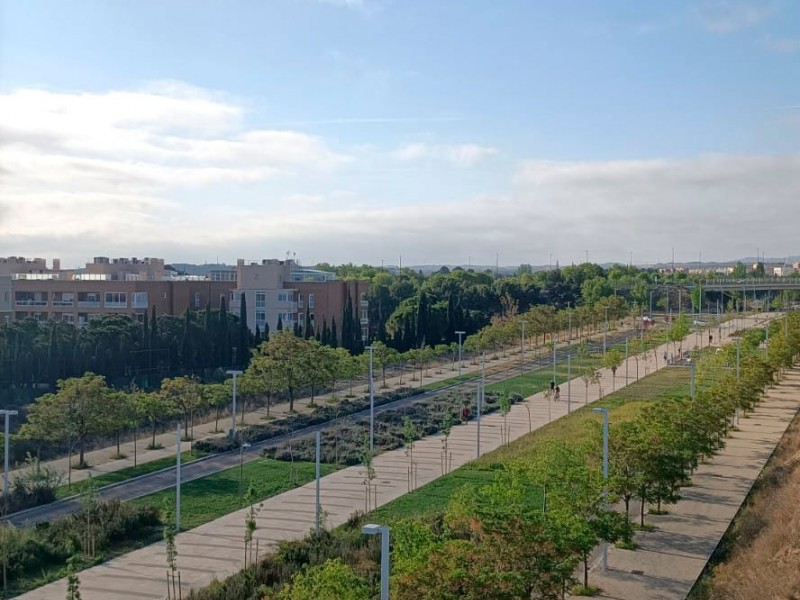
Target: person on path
558, 393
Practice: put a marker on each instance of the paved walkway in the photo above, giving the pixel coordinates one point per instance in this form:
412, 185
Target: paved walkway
669, 560
103, 460
215, 550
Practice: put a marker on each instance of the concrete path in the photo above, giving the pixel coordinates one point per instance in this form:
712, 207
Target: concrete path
215, 550
669, 560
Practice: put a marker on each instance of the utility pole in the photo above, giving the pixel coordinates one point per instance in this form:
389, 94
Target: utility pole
371, 405
459, 334
6, 439
178, 478
233, 408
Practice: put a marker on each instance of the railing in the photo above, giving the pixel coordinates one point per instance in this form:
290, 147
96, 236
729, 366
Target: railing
365, 321
63, 303
88, 303
116, 304
31, 302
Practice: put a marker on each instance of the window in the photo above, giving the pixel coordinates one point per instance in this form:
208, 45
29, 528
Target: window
261, 300
139, 300
283, 297
164, 296
116, 300
261, 318
68, 318
197, 299
311, 318
311, 300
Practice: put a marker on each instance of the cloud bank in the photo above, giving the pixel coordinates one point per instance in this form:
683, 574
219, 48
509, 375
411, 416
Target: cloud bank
174, 171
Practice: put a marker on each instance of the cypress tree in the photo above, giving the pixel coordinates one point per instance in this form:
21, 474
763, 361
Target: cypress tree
280, 323
153, 342
296, 329
265, 335
257, 337
334, 336
308, 330
244, 332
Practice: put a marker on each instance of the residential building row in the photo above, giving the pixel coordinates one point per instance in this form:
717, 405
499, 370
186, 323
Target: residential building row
273, 290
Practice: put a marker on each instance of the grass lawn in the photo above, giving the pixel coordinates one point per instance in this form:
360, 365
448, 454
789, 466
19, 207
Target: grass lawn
432, 498
209, 498
126, 473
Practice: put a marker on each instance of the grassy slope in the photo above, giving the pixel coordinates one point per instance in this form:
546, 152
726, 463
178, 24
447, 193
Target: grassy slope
432, 498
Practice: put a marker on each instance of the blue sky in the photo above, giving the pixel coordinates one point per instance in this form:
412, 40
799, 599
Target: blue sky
361, 130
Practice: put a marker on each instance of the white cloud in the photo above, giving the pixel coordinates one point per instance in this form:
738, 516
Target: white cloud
459, 155
78, 163
782, 45
727, 16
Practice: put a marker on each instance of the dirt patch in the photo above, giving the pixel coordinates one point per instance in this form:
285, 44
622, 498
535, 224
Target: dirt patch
760, 556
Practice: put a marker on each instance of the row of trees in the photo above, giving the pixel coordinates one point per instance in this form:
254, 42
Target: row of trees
121, 348
503, 540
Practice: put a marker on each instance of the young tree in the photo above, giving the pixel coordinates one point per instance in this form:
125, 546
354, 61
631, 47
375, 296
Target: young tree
153, 407
75, 411
410, 435
612, 360
286, 353
183, 395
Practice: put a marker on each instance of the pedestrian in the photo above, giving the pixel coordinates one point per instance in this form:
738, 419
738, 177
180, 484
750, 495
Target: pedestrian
710, 338
558, 393
665, 356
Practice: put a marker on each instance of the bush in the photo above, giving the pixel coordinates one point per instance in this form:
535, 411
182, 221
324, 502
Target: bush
37, 485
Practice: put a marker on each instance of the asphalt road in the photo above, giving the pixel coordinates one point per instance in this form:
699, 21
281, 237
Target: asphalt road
143, 485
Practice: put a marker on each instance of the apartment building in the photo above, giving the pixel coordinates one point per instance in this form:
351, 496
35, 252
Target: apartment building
120, 286
281, 290
274, 290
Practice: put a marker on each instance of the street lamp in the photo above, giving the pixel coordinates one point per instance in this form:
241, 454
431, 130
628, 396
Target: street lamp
233, 412
459, 334
371, 404
178, 477
242, 448
605, 332
383, 531
7, 414
604, 411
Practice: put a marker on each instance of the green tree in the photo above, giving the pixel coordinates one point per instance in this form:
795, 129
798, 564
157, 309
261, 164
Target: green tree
612, 360
183, 395
154, 407
333, 580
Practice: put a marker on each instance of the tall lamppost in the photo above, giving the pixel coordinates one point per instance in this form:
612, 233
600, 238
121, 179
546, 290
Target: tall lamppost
604, 411
605, 332
383, 531
178, 478
459, 334
233, 411
242, 449
6, 438
371, 404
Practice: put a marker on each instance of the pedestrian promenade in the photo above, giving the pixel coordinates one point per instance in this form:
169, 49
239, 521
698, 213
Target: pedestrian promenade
668, 561
215, 550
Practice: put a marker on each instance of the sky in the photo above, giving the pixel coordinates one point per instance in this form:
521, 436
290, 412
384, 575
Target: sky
375, 131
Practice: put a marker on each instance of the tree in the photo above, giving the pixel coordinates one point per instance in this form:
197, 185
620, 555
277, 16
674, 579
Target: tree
154, 407
74, 412
118, 415
287, 351
333, 580
612, 360
183, 394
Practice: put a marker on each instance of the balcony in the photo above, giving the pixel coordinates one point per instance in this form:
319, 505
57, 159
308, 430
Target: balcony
364, 303
63, 303
117, 304
365, 321
88, 303
31, 302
